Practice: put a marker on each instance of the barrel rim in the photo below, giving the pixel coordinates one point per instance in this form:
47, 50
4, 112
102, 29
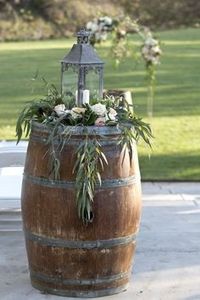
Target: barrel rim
80, 130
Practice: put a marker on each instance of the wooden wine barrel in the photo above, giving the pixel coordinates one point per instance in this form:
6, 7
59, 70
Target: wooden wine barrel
67, 257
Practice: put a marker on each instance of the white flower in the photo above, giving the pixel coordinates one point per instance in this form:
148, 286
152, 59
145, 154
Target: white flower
76, 112
151, 53
92, 26
155, 60
79, 110
101, 121
99, 109
112, 112
74, 115
110, 117
107, 20
60, 109
156, 50
67, 111
151, 42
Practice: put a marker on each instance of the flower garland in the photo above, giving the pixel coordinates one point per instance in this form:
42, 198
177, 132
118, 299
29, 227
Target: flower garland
99, 29
121, 29
151, 53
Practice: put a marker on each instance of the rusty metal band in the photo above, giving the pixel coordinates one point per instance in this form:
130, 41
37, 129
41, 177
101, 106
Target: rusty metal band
78, 244
64, 184
80, 294
60, 280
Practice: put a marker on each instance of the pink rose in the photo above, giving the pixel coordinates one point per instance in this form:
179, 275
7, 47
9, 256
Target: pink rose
100, 121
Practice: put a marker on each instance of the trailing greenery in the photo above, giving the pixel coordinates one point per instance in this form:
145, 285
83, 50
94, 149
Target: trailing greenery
133, 127
132, 131
37, 110
122, 28
89, 164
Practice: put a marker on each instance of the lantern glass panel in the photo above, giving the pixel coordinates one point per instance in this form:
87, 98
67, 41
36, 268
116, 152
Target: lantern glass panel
69, 84
92, 84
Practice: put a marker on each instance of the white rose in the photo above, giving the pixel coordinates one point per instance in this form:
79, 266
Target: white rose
99, 109
60, 109
77, 111
112, 112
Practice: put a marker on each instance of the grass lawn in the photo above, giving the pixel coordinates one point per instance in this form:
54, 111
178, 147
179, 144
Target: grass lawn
176, 121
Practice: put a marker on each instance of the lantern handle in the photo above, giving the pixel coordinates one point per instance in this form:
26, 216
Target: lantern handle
83, 36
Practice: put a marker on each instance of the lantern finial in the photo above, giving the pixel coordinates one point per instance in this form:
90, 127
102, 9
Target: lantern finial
83, 36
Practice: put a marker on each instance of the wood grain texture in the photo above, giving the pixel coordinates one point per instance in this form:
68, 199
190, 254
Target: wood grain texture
50, 214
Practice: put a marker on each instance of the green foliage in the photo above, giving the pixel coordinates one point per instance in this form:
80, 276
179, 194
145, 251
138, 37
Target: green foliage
89, 116
37, 111
90, 161
133, 128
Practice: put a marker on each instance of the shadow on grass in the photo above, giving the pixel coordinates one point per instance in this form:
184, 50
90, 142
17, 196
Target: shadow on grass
176, 167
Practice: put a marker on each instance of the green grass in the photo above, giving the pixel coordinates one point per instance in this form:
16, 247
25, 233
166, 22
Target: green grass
176, 121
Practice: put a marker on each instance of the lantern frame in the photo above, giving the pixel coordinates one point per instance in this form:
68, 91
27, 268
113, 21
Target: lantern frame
82, 59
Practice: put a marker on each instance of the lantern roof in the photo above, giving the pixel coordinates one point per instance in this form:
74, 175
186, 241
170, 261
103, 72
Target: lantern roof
82, 53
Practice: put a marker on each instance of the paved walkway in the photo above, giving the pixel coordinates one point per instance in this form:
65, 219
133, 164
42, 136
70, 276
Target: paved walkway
167, 261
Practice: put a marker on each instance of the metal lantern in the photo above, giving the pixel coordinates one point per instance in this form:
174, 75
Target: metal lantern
82, 72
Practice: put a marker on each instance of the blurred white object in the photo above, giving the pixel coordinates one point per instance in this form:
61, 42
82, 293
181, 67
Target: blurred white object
12, 159
86, 97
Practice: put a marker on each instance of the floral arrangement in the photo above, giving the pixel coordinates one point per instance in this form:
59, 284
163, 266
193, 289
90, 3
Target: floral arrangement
151, 53
99, 29
99, 114
151, 49
121, 48
57, 113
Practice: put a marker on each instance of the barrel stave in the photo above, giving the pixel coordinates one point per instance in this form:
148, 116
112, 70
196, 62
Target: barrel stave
67, 257
52, 212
